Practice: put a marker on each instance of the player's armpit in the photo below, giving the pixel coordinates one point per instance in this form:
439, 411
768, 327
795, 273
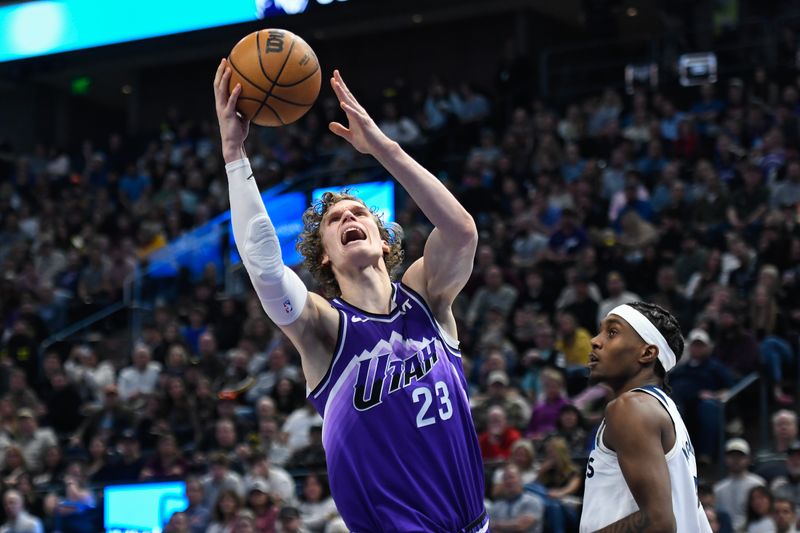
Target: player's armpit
634, 430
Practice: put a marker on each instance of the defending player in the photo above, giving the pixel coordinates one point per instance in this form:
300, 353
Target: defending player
381, 357
641, 476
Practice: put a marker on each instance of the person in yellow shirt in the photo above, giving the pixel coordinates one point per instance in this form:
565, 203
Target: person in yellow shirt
574, 342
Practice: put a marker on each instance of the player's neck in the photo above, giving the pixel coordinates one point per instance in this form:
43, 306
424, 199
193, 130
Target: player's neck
369, 289
640, 380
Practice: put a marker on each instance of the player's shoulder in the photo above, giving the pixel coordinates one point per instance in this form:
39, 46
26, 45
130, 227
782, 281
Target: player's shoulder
634, 406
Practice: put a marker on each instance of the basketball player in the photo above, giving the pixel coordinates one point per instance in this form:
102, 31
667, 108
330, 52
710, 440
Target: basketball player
641, 475
380, 358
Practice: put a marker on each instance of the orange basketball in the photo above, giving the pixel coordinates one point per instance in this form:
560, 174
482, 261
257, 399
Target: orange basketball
280, 77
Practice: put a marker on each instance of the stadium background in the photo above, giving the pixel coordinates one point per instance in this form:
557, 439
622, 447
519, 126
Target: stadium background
582, 190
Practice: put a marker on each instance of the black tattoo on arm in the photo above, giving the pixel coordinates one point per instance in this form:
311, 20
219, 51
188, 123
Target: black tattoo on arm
633, 523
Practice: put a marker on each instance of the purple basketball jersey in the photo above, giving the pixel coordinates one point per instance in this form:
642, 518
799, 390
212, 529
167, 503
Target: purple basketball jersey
398, 434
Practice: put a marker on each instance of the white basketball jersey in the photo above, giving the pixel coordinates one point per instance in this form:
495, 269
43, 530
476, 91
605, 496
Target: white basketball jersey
607, 497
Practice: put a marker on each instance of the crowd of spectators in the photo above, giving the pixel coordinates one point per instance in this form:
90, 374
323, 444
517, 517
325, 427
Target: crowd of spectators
689, 199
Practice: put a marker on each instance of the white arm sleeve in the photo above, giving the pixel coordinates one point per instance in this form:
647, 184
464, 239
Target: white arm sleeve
283, 295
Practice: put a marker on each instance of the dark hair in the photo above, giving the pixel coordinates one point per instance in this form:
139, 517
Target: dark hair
751, 515
668, 326
216, 513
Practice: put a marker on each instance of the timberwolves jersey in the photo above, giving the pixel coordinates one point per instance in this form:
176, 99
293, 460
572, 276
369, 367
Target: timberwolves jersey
607, 497
397, 430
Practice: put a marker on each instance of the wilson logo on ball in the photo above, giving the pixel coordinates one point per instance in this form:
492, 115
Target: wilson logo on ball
274, 42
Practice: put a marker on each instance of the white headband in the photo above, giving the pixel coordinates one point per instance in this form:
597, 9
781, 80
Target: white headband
648, 332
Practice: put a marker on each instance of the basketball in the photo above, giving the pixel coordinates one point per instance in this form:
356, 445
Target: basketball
280, 77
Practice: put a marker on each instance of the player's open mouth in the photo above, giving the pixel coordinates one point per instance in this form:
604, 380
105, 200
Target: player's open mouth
353, 234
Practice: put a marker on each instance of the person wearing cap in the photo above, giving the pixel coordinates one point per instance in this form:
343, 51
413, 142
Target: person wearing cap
788, 485
264, 509
290, 521
111, 419
498, 392
697, 388
641, 474
732, 491
32, 439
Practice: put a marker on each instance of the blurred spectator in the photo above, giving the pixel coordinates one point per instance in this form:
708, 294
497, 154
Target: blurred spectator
63, 405
546, 411
788, 485
500, 393
197, 513
281, 485
399, 128
617, 295
732, 492
109, 421
89, 374
220, 479
316, 506
18, 520
312, 455
523, 456
705, 493
290, 521
227, 504
558, 473
32, 439
698, 387
167, 463
735, 347
759, 511
570, 426
784, 515
260, 502
141, 377
515, 509
495, 294
573, 341
499, 436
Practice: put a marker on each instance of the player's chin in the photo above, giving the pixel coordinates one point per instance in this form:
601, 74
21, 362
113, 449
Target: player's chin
595, 376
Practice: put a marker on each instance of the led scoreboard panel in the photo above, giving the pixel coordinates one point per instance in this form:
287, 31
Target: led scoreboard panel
45, 27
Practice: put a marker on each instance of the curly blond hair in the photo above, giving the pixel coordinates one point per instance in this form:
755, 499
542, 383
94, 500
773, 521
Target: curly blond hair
309, 244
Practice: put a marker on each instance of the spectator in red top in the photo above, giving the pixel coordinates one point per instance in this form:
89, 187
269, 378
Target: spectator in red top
496, 441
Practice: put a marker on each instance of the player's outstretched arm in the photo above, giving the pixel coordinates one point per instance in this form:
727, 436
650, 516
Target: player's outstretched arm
283, 295
450, 250
633, 430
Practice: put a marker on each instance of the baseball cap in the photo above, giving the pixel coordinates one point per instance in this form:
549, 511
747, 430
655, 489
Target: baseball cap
289, 513
737, 445
699, 335
497, 376
25, 412
260, 485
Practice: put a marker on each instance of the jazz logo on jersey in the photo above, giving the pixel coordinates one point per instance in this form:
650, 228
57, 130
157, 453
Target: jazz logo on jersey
390, 376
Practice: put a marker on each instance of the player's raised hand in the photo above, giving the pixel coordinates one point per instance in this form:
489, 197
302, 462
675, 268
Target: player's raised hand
361, 130
232, 128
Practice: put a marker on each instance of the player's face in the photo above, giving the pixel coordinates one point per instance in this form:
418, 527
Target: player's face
615, 352
350, 233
